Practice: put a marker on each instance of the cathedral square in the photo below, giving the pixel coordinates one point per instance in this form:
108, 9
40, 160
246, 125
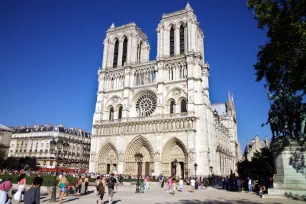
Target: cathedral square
155, 117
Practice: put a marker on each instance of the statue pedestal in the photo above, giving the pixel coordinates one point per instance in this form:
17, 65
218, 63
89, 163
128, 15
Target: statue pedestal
290, 178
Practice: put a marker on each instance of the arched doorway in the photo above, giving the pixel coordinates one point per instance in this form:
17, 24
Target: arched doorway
139, 157
174, 158
108, 159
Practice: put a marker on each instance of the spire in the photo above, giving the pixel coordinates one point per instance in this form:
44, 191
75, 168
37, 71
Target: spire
229, 97
113, 25
187, 6
233, 98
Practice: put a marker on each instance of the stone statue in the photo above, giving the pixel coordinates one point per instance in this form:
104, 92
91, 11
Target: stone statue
287, 115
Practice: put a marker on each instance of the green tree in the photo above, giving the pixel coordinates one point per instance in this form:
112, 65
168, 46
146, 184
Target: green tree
282, 60
261, 165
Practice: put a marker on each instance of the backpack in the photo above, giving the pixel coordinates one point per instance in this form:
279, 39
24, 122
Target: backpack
110, 183
100, 188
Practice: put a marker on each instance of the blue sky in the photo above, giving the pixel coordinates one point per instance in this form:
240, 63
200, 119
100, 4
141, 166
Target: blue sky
50, 52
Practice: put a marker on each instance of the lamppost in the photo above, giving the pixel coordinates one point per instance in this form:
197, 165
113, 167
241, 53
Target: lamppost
56, 147
211, 170
195, 170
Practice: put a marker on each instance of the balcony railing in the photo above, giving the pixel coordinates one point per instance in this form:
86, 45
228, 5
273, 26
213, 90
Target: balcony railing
147, 118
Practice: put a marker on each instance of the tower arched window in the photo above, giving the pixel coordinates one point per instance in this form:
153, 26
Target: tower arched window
172, 42
120, 112
124, 52
111, 113
172, 106
116, 50
182, 40
183, 106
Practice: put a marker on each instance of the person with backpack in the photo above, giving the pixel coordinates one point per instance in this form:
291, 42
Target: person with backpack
111, 182
100, 190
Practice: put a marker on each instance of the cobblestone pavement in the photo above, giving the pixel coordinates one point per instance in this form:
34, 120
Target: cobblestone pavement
157, 195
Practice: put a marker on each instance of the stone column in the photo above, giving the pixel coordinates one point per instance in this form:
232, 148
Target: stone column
105, 52
166, 43
120, 53
189, 36
177, 41
158, 42
129, 50
161, 43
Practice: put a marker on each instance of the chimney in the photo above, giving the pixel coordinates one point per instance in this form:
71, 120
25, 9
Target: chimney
36, 126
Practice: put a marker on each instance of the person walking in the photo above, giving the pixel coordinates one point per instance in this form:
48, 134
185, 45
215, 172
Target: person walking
62, 184
86, 182
21, 187
100, 190
173, 187
169, 184
78, 186
192, 185
111, 182
32, 196
5, 186
250, 184
181, 185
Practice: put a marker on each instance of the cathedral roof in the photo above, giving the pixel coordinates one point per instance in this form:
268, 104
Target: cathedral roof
53, 128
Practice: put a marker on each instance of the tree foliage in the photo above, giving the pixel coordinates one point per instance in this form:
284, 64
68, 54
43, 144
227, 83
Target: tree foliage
20, 163
281, 61
260, 166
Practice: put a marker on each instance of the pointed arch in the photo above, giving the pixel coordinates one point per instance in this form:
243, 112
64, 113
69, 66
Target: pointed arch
139, 145
171, 41
174, 149
108, 158
116, 52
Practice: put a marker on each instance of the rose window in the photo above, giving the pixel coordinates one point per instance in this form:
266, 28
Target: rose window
146, 104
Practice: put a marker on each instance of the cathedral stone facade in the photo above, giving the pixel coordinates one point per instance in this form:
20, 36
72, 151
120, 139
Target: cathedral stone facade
155, 117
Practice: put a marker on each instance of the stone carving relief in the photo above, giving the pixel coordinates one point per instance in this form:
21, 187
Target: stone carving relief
167, 88
115, 100
106, 96
176, 92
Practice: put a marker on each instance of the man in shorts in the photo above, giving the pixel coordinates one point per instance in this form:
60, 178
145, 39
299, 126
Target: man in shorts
111, 182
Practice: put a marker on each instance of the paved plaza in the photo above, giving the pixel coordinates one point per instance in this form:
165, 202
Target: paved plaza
157, 195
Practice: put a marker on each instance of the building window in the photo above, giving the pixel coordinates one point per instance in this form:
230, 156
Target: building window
124, 54
172, 106
171, 42
120, 112
183, 106
182, 39
115, 62
111, 113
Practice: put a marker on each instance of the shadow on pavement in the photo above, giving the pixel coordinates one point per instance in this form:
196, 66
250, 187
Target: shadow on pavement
213, 201
114, 201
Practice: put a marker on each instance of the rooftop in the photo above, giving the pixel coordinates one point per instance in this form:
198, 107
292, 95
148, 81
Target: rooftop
49, 128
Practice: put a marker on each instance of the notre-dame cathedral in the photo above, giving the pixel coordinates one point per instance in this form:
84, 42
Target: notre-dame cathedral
155, 117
